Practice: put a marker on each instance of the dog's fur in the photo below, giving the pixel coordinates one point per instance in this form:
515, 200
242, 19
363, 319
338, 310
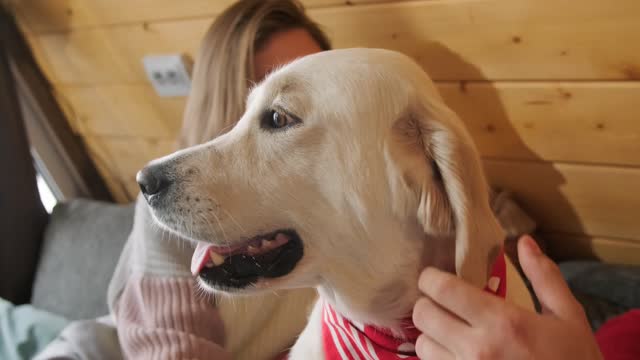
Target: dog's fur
379, 178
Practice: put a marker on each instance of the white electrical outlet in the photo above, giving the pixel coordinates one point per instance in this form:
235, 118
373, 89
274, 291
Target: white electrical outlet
169, 74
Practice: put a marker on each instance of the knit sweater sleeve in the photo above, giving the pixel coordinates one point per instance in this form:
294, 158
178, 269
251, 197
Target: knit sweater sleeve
159, 313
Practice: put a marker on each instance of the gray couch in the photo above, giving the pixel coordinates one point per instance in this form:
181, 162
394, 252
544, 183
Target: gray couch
81, 246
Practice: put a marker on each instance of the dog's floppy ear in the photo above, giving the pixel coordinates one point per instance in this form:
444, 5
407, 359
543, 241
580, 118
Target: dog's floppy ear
445, 169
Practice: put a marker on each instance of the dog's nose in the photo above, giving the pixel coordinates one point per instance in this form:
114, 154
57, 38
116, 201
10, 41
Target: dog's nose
152, 180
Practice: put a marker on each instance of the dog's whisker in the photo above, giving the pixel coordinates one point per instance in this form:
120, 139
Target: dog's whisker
240, 227
202, 294
191, 226
157, 228
210, 226
224, 234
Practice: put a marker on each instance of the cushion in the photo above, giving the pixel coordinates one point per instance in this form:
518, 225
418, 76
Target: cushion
80, 249
604, 290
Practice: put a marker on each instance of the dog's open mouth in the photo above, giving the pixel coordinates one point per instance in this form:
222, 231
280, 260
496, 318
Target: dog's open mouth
232, 267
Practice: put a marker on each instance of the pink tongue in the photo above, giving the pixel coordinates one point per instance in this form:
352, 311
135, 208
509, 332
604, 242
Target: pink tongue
200, 257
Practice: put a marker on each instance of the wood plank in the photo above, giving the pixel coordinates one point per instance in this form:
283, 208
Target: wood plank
132, 188
494, 39
592, 122
43, 16
120, 158
113, 55
124, 110
50, 16
131, 154
610, 250
453, 40
107, 169
577, 199
120, 192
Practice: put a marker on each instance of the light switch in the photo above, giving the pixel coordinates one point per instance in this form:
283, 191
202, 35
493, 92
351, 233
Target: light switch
169, 74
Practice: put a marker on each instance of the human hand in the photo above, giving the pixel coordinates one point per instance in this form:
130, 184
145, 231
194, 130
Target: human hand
460, 321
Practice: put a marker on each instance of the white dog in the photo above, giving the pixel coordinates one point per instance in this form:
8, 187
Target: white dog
347, 173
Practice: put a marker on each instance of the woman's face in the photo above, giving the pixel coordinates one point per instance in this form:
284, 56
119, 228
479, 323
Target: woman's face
281, 48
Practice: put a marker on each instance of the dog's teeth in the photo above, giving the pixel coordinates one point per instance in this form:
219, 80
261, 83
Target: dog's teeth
265, 244
209, 264
216, 258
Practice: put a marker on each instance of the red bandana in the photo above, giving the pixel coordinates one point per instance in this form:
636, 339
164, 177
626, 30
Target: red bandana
344, 339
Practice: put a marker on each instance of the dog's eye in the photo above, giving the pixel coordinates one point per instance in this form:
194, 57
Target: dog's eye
274, 119
278, 120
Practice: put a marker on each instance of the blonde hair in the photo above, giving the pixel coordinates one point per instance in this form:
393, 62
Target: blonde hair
223, 69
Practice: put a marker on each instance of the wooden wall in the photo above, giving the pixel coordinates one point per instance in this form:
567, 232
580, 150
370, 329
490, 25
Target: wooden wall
549, 89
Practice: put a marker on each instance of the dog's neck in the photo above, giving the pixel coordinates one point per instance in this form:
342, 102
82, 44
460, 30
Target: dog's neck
382, 293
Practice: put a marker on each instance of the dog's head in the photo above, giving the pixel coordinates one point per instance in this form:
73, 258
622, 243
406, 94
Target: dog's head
346, 172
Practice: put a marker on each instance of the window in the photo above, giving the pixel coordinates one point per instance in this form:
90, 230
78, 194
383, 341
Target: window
46, 194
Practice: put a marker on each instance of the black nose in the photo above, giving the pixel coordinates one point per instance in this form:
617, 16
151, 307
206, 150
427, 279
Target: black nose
152, 180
